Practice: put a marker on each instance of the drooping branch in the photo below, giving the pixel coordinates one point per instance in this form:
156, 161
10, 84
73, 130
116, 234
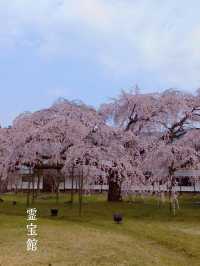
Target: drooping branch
178, 129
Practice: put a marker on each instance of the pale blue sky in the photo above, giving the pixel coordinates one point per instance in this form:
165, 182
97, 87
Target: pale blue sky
91, 49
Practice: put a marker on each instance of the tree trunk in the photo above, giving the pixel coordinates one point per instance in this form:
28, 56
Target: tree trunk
194, 187
16, 188
76, 184
64, 185
173, 199
38, 186
114, 191
72, 184
28, 193
170, 197
72, 189
180, 188
33, 188
57, 181
57, 192
80, 194
21, 187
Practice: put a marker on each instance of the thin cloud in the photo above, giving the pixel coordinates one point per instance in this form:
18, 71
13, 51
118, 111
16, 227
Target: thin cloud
156, 37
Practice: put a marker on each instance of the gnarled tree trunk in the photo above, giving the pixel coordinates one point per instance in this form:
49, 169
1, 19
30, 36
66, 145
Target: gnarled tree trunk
114, 186
114, 191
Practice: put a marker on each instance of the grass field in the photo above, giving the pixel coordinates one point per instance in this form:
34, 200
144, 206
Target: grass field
147, 236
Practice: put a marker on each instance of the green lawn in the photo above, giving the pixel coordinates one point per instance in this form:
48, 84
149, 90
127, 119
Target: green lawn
148, 235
